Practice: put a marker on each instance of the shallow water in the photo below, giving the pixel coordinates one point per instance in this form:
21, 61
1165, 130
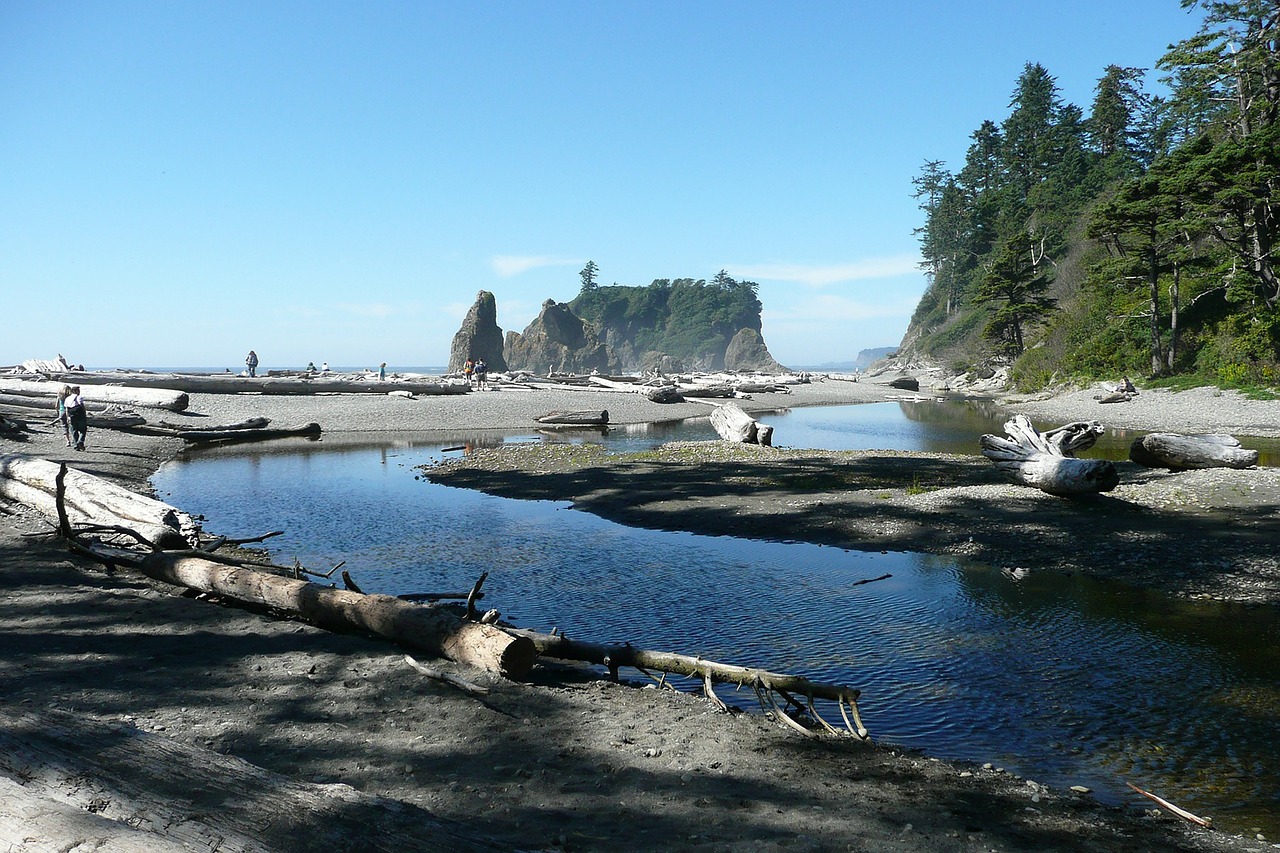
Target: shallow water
1061, 679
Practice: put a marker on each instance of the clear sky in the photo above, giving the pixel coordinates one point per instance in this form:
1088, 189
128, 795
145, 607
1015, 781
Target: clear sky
183, 181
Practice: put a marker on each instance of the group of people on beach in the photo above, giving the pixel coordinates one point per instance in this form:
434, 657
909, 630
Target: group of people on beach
73, 416
476, 373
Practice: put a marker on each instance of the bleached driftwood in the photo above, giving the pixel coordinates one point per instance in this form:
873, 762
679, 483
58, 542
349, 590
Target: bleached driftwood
154, 398
92, 500
1046, 461
1184, 452
733, 424
595, 417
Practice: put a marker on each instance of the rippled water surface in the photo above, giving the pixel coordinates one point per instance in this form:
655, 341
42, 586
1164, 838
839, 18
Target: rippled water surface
1062, 679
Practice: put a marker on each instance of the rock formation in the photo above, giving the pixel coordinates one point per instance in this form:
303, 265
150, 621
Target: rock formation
558, 340
747, 352
479, 337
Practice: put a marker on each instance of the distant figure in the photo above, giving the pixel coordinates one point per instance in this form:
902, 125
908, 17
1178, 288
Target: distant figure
78, 416
251, 361
63, 418
482, 374
382, 372
468, 369
311, 367
324, 367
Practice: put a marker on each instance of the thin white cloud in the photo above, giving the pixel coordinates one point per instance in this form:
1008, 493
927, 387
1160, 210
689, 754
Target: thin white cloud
509, 265
823, 275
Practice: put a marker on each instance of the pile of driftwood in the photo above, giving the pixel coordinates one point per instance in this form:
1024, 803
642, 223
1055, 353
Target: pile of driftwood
1047, 460
117, 527
32, 393
134, 386
673, 389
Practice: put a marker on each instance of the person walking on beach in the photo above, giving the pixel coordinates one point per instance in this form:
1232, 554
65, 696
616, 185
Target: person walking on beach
468, 369
382, 372
78, 416
251, 362
63, 418
482, 375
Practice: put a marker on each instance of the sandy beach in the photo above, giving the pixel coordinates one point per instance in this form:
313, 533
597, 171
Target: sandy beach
566, 761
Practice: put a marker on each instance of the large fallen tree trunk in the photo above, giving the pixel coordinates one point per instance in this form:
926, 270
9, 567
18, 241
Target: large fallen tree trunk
707, 671
44, 403
1184, 452
1046, 461
170, 429
228, 436
733, 424
93, 784
90, 500
234, 384
154, 398
437, 631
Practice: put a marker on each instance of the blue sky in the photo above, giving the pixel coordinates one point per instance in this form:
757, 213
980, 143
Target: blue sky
181, 182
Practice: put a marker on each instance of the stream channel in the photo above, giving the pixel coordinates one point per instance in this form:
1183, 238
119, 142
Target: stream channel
1061, 679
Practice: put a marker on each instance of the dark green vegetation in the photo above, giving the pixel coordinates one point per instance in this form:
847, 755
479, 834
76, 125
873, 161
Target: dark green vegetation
1138, 240
689, 320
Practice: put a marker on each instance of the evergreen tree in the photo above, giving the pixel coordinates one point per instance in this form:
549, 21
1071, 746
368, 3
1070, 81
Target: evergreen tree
1015, 282
1233, 63
588, 275
1028, 131
1117, 102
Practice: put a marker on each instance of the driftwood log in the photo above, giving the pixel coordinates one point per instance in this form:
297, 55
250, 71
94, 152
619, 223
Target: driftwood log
228, 436
93, 784
39, 404
90, 500
1185, 452
231, 383
597, 417
665, 394
154, 398
719, 389
733, 424
172, 429
707, 671
1046, 461
436, 631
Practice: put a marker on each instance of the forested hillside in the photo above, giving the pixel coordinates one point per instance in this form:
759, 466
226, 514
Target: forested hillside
1138, 239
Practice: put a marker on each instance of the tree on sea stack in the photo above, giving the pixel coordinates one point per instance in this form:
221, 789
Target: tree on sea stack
588, 275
